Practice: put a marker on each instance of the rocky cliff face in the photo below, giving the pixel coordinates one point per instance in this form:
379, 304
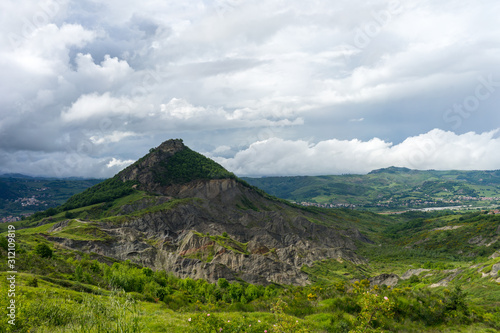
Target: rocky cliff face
213, 228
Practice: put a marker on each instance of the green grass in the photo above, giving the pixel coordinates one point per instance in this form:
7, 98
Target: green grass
226, 242
150, 210
83, 231
331, 271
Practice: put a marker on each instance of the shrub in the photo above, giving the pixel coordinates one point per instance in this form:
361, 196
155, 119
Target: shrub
4, 244
414, 279
32, 281
222, 283
147, 271
43, 250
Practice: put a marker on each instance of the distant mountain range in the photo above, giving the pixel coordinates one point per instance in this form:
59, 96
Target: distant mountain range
388, 189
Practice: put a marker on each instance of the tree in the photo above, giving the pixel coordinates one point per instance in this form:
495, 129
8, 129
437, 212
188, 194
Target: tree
222, 283
43, 250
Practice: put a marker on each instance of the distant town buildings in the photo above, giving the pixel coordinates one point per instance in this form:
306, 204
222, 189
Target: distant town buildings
394, 203
327, 205
12, 218
9, 219
29, 201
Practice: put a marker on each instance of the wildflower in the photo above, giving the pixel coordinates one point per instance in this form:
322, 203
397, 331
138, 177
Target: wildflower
208, 314
229, 321
258, 321
265, 331
220, 329
189, 319
385, 297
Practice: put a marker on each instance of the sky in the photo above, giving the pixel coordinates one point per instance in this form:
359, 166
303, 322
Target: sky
265, 88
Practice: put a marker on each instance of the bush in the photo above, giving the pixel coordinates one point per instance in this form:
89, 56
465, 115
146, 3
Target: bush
414, 279
32, 281
43, 250
222, 283
3, 243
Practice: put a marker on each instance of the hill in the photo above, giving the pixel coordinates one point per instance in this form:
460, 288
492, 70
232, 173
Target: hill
176, 210
389, 189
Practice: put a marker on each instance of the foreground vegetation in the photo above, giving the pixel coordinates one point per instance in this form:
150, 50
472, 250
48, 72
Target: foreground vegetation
68, 291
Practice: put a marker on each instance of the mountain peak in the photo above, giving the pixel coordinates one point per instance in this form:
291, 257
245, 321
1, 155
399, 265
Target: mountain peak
172, 163
172, 145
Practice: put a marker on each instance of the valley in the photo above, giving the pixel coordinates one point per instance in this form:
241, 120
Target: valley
21, 195
389, 189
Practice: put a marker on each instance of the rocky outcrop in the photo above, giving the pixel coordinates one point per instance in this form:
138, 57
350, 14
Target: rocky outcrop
495, 268
409, 273
495, 255
384, 279
444, 282
59, 226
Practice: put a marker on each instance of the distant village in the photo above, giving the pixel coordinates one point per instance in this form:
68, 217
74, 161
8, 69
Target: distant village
398, 203
326, 205
24, 202
30, 202
10, 218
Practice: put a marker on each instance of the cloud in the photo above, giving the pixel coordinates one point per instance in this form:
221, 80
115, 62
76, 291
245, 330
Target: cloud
111, 69
357, 119
115, 136
118, 163
96, 105
62, 165
436, 149
120, 77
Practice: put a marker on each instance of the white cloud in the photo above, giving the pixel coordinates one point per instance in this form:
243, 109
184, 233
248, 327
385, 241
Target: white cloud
115, 136
111, 69
118, 163
68, 164
93, 105
436, 149
181, 112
